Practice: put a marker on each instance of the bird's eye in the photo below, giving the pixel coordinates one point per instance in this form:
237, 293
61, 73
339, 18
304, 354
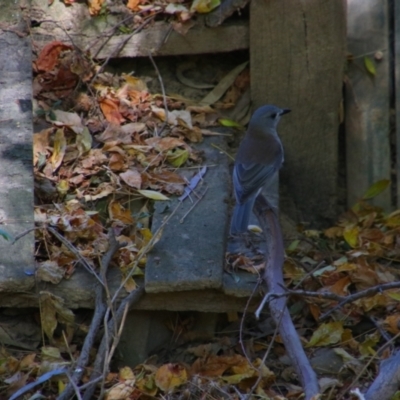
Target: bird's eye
274, 115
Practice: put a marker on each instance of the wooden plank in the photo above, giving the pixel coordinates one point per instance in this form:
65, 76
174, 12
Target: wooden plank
97, 35
190, 254
368, 101
16, 181
78, 292
297, 57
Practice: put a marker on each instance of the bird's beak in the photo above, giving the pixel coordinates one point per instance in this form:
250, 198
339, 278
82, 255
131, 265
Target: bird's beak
285, 111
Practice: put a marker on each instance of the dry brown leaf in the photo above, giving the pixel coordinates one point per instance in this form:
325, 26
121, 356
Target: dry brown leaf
170, 376
110, 109
59, 147
41, 144
117, 212
48, 57
132, 178
95, 6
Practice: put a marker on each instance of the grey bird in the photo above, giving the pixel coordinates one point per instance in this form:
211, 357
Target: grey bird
259, 158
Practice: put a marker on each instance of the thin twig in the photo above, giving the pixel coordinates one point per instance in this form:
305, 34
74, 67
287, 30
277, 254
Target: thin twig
143, 251
222, 151
272, 341
74, 385
111, 352
131, 299
163, 93
119, 48
24, 233
111, 325
256, 286
364, 293
74, 250
194, 205
100, 310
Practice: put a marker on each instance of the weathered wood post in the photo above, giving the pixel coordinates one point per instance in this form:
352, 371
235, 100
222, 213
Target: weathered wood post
16, 182
368, 100
297, 57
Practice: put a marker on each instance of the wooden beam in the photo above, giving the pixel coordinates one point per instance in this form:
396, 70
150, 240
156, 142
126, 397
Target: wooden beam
79, 292
368, 100
297, 56
101, 36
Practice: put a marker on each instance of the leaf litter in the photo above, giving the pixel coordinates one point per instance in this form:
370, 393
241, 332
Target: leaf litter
108, 149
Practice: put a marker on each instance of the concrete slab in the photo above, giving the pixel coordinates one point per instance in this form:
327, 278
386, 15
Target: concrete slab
190, 254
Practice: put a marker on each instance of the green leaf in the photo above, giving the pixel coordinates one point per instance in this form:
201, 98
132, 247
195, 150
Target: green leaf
394, 296
6, 235
125, 29
230, 123
370, 66
326, 334
177, 157
293, 246
204, 6
376, 188
152, 194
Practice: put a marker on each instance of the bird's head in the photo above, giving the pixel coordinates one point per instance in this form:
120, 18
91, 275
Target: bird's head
267, 117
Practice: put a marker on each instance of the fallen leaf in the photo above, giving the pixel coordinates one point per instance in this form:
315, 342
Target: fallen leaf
170, 376
48, 57
350, 234
177, 157
59, 147
84, 141
95, 6
110, 109
41, 144
117, 212
392, 323
151, 194
367, 346
49, 271
121, 391
132, 178
204, 6
326, 334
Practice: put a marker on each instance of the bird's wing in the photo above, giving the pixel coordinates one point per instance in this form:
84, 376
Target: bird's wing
250, 177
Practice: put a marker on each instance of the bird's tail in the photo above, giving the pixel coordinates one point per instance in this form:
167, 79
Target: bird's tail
241, 217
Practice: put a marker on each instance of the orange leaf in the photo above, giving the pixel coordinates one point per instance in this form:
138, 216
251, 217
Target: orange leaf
170, 376
95, 6
392, 323
340, 287
110, 110
118, 212
40, 144
48, 57
133, 5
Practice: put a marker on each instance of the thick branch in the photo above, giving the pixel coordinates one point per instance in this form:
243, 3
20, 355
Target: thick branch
273, 277
388, 380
